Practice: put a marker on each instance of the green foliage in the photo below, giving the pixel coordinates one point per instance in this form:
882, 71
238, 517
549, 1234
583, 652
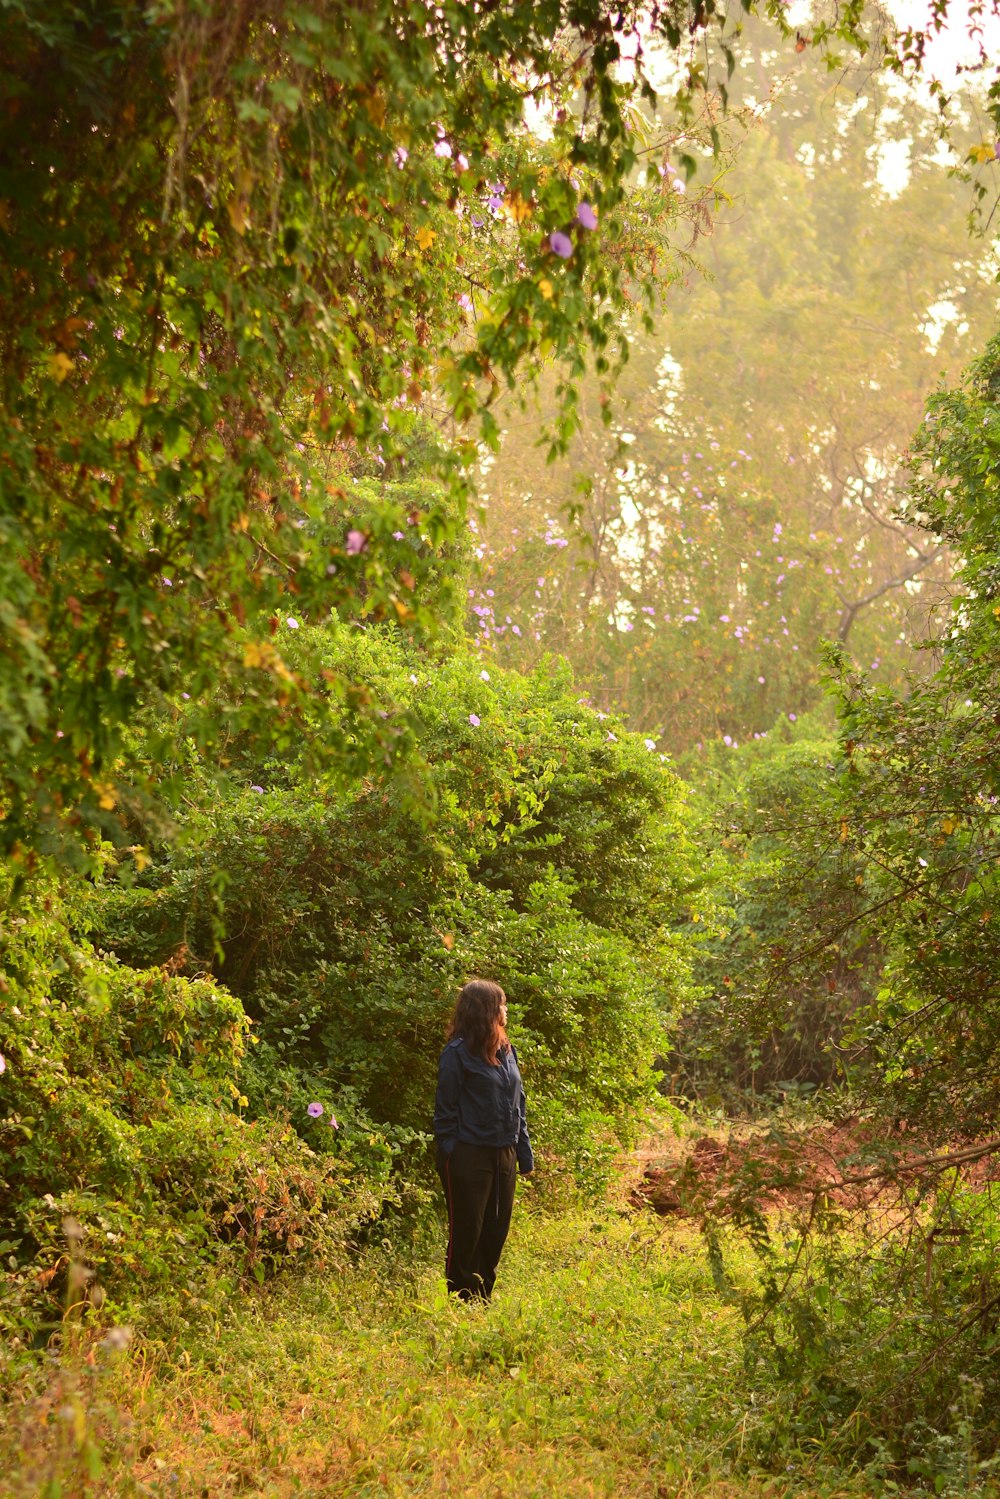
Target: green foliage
239, 254
882, 1345
782, 970
555, 862
882, 1329
919, 801
122, 1111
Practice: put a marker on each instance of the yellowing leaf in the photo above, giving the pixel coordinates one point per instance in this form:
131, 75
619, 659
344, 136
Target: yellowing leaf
517, 208
238, 216
60, 365
845, 832
981, 153
105, 796
425, 237
375, 108
948, 826
545, 287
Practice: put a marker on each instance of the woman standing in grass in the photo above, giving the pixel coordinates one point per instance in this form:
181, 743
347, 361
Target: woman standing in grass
482, 1136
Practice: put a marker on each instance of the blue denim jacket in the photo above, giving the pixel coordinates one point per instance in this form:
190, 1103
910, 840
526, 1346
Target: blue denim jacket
479, 1104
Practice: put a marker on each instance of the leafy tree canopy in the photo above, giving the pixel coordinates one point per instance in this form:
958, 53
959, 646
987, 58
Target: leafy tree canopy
240, 244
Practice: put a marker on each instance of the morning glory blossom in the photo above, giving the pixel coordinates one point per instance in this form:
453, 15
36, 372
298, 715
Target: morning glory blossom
314, 1110
355, 543
650, 744
474, 720
560, 244
484, 676
586, 217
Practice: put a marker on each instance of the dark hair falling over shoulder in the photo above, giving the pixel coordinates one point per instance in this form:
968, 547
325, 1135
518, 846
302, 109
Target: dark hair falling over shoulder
479, 1019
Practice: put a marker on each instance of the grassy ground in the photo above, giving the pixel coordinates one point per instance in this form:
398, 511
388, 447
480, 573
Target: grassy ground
608, 1364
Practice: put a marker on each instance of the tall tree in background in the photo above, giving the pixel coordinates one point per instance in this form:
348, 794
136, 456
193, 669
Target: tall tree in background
744, 505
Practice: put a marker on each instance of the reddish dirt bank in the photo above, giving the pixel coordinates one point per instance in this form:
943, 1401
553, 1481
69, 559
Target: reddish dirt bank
848, 1165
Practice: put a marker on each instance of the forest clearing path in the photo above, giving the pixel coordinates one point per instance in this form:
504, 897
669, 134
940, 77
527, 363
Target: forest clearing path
609, 1364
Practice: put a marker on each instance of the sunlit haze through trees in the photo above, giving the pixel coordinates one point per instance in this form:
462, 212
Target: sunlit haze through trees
740, 508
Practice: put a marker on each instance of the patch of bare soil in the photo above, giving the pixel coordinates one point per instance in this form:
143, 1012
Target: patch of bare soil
851, 1165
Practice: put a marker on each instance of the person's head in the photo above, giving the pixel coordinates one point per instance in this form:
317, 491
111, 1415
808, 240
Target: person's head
480, 1019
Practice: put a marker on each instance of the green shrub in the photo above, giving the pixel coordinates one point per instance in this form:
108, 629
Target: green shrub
121, 1107
555, 861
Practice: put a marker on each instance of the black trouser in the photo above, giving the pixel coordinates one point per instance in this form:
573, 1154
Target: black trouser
479, 1183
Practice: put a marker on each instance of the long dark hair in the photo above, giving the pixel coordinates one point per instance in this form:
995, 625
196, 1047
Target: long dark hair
477, 1020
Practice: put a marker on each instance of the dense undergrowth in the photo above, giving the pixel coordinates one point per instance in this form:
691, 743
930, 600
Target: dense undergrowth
220, 1054
614, 1361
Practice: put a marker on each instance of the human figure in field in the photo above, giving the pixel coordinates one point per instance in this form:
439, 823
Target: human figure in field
481, 1131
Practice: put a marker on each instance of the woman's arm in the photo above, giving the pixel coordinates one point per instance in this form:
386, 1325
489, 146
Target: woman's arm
446, 1100
523, 1150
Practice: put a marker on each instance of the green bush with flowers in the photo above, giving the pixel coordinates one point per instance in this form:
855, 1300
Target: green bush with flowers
528, 839
122, 1111
224, 1052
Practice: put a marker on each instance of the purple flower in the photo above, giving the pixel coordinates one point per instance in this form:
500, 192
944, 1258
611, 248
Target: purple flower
561, 244
333, 1123
484, 676
314, 1110
650, 744
3, 1063
356, 542
474, 720
258, 788
586, 217
442, 148
397, 536
292, 624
